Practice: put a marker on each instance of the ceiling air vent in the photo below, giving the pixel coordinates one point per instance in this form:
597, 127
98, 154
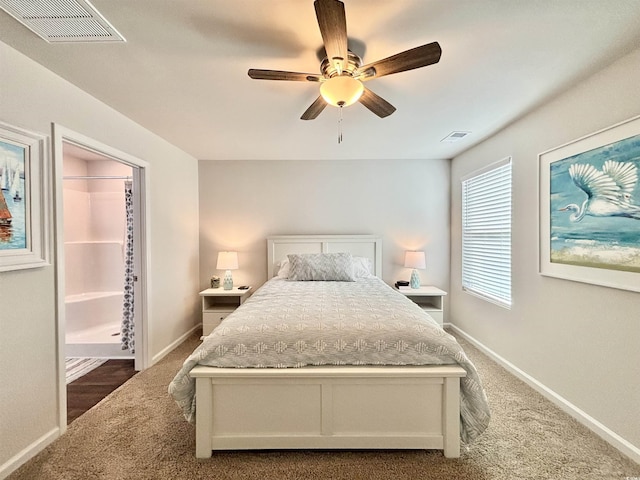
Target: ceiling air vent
455, 136
62, 20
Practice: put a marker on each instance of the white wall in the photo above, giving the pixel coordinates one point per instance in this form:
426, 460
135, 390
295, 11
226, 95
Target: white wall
404, 201
94, 210
579, 340
32, 97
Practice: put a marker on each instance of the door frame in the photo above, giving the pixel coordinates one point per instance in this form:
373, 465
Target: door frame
141, 171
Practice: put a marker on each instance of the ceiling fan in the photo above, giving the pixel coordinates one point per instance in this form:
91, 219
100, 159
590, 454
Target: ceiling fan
342, 73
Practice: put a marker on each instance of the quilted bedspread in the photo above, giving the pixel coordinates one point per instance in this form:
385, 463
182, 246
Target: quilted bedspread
290, 324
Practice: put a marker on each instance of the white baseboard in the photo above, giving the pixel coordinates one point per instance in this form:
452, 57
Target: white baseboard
609, 436
27, 453
160, 355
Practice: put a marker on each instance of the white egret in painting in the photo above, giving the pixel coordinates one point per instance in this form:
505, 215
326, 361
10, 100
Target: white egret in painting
609, 190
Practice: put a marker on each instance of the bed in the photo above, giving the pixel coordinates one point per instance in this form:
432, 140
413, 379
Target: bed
307, 376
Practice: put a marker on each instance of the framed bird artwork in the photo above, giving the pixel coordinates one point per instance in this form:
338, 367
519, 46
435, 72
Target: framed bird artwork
589, 213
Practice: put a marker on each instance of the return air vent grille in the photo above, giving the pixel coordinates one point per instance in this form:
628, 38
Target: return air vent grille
62, 20
455, 137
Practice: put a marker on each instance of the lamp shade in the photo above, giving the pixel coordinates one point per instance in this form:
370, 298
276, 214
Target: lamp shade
341, 91
227, 261
415, 260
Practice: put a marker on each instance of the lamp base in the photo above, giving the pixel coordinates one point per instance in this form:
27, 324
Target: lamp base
415, 279
227, 282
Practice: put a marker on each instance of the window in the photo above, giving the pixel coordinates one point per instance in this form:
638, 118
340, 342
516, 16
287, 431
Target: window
486, 233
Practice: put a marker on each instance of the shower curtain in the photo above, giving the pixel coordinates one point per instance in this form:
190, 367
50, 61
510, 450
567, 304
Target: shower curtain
127, 329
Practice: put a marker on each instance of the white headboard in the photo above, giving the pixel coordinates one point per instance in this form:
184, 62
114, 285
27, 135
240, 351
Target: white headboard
279, 246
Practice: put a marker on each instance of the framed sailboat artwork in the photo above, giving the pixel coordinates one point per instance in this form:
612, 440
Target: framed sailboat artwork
23, 233
590, 208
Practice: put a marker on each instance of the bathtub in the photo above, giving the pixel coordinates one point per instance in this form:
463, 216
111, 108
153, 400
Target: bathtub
92, 330
94, 272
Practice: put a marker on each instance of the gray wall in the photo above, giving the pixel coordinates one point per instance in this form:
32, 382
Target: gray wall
32, 97
404, 201
579, 340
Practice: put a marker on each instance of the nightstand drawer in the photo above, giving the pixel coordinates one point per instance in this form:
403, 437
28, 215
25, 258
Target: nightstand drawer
438, 316
211, 320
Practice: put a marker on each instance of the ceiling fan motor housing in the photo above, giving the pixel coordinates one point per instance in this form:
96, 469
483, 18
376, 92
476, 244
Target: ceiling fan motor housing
353, 63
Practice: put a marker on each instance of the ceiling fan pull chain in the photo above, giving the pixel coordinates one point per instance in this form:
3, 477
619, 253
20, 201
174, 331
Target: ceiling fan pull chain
339, 124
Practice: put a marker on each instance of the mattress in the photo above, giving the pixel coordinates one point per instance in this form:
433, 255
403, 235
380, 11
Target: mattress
295, 324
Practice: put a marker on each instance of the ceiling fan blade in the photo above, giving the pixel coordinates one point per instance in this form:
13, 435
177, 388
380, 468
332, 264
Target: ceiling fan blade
333, 27
415, 58
280, 75
376, 103
315, 109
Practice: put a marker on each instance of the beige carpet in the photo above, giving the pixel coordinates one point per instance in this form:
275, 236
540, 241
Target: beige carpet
137, 432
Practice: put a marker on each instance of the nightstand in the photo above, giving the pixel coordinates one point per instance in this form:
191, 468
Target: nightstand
217, 304
431, 299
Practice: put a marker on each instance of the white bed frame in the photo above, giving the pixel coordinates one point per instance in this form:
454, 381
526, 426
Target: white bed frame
349, 407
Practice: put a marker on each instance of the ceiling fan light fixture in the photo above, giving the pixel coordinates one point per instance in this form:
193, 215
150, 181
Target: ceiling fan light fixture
341, 91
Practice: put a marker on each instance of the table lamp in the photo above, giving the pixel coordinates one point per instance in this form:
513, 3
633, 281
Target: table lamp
227, 261
415, 260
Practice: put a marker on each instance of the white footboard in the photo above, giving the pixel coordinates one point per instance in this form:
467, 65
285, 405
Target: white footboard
328, 407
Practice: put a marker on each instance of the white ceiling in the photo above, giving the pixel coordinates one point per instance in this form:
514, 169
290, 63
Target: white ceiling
183, 71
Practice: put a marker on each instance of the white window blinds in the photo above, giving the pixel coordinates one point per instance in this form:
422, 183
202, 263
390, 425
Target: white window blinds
486, 233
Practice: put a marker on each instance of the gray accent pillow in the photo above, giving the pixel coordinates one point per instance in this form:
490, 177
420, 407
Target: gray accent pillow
321, 267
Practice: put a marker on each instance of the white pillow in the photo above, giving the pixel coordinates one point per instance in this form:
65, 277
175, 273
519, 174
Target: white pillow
336, 267
284, 267
362, 267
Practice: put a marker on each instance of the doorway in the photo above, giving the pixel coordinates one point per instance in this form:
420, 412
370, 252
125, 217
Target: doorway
100, 228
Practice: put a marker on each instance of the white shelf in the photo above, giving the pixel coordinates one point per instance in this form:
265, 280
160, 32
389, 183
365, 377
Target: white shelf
423, 290
429, 298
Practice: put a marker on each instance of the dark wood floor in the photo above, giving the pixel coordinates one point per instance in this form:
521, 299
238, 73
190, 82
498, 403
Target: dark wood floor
88, 390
